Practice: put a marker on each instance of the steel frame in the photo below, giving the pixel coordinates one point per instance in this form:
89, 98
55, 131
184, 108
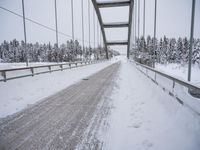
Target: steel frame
98, 5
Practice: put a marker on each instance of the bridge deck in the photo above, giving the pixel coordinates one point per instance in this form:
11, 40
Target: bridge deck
59, 122
137, 115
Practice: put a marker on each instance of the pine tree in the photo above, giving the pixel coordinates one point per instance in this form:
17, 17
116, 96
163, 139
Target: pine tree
185, 51
179, 50
172, 51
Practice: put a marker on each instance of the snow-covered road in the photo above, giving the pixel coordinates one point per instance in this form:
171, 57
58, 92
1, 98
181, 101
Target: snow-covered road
15, 95
61, 121
143, 116
124, 110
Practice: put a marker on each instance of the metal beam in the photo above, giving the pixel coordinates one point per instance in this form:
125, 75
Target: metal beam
154, 37
24, 23
101, 23
116, 25
111, 43
191, 39
113, 4
130, 27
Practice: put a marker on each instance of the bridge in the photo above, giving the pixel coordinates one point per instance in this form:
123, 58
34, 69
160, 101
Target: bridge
101, 103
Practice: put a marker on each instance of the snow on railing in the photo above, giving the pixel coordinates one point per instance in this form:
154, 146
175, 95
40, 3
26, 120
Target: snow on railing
186, 93
10, 74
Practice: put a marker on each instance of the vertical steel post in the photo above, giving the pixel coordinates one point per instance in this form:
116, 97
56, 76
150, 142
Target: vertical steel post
191, 39
135, 21
155, 20
56, 24
97, 33
89, 23
94, 28
144, 14
130, 27
72, 12
24, 23
72, 15
144, 19
83, 34
138, 18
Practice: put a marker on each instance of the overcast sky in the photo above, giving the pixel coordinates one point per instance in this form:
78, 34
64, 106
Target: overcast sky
173, 19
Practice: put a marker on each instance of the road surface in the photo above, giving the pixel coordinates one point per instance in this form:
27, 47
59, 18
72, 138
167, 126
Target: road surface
63, 120
118, 108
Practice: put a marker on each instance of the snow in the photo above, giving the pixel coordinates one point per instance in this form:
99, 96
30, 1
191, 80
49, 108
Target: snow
21, 93
19, 65
181, 71
143, 116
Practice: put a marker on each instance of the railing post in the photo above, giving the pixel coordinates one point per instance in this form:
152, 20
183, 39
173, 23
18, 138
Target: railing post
155, 76
4, 76
49, 68
32, 71
173, 86
69, 65
61, 67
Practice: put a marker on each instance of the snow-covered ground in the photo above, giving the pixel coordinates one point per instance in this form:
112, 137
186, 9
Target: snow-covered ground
181, 71
143, 117
18, 94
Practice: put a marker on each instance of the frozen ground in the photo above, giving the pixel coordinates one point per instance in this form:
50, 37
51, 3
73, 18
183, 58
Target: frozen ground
181, 71
145, 117
21, 93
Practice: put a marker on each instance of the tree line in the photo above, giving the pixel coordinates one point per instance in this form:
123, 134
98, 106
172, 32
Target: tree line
18, 51
166, 50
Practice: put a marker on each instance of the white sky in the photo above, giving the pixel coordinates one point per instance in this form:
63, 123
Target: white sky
173, 19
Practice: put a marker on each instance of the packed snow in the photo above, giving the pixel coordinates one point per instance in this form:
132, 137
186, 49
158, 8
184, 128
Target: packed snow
181, 71
143, 116
21, 93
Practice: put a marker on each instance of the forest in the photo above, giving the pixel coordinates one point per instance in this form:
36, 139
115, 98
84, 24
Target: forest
167, 50
16, 51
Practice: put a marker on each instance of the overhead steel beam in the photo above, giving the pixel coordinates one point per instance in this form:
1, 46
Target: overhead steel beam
113, 4
111, 43
116, 25
105, 4
130, 26
101, 24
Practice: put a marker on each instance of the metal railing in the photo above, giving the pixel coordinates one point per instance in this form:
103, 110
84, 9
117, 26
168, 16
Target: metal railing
185, 92
175, 80
10, 74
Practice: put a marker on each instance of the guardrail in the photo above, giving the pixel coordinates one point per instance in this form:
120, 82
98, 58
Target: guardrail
175, 80
186, 93
10, 74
